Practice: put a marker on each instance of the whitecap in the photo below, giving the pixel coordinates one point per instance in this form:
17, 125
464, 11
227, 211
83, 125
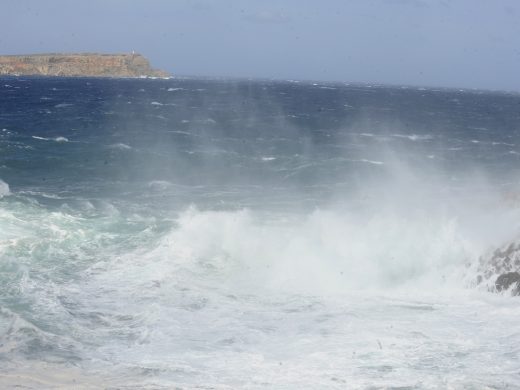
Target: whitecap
180, 132
268, 158
156, 104
375, 162
120, 146
502, 143
4, 189
57, 139
175, 89
63, 105
413, 137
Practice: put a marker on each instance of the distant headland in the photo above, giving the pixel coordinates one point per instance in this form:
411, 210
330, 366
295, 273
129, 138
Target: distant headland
79, 65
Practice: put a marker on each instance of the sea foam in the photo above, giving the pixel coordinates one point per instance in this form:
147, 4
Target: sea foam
4, 189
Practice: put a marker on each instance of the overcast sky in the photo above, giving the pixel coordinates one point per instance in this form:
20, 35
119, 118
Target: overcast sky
453, 43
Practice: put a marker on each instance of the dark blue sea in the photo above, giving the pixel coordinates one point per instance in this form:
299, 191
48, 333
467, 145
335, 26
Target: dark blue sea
225, 234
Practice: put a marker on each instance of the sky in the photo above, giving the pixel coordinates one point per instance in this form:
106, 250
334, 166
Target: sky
442, 43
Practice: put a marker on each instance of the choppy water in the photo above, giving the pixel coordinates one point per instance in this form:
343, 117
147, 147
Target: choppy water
254, 234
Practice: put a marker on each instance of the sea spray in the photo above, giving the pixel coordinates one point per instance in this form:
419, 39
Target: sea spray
328, 251
301, 238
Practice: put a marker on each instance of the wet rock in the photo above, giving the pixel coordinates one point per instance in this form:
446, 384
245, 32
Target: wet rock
499, 269
505, 281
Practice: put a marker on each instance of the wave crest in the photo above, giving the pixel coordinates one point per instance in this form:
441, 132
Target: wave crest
326, 251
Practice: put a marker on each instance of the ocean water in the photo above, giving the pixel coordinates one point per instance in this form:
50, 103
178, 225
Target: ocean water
218, 234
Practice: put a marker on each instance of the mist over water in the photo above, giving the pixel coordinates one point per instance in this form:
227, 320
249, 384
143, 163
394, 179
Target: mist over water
228, 234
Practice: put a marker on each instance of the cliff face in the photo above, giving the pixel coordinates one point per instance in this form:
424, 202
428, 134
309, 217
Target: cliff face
82, 64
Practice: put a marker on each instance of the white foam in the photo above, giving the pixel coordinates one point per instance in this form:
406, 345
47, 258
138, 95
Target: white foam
370, 290
414, 137
328, 251
156, 104
180, 132
120, 146
373, 162
57, 139
4, 189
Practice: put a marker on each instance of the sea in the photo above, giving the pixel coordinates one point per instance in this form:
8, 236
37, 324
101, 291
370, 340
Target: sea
254, 234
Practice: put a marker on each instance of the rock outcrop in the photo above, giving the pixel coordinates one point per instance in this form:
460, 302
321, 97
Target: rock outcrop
500, 270
508, 280
78, 65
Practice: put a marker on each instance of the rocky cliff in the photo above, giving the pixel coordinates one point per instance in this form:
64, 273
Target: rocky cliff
81, 64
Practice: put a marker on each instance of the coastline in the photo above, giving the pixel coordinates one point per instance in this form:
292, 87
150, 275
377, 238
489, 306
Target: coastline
132, 65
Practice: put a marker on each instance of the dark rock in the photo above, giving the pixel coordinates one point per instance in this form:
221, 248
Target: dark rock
499, 269
505, 281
